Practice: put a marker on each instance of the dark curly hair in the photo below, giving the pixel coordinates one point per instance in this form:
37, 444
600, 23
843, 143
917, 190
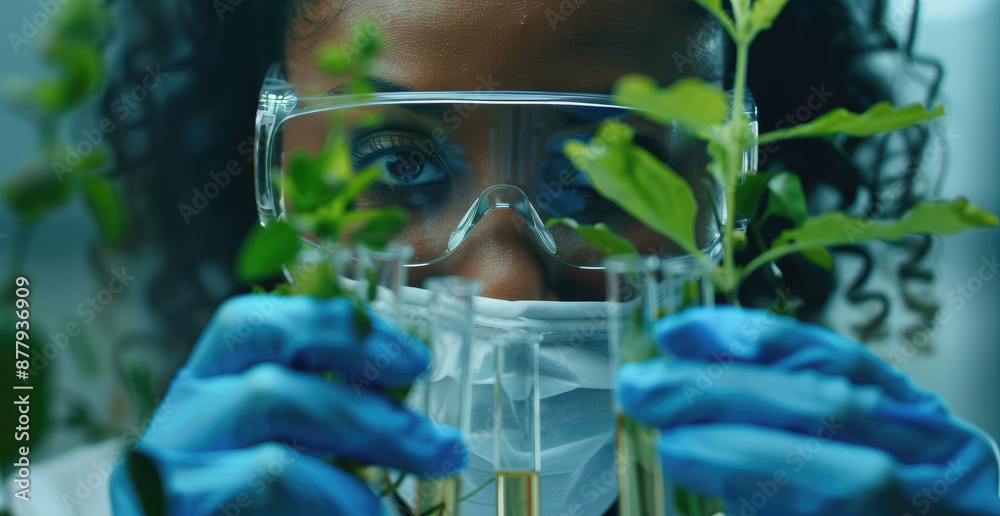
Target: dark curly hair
843, 50
217, 54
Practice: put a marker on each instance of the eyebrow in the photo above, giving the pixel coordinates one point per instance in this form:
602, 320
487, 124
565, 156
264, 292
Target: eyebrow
434, 112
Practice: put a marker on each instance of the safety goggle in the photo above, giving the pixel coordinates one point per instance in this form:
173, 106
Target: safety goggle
449, 158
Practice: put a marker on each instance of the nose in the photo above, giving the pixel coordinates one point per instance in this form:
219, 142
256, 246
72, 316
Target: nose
502, 253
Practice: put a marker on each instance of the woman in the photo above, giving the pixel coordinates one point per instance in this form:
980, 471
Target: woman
834, 432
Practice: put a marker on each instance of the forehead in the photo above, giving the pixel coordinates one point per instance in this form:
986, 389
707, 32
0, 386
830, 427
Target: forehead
541, 45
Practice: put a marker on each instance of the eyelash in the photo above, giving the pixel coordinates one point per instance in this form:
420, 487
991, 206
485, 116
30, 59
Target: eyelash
385, 142
376, 142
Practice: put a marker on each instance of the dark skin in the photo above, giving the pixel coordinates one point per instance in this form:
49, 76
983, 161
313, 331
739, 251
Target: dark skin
441, 45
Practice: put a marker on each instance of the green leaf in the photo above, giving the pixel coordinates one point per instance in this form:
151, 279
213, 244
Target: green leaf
108, 208
748, 194
691, 102
717, 165
371, 280
373, 228
332, 59
317, 281
926, 218
880, 118
358, 183
333, 163
89, 163
83, 21
304, 185
80, 73
353, 54
140, 384
787, 198
819, 256
712, 6
368, 39
282, 289
35, 192
638, 182
725, 146
764, 13
599, 236
144, 476
265, 250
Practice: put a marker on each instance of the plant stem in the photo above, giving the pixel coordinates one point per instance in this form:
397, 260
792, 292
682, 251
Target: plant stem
771, 255
734, 174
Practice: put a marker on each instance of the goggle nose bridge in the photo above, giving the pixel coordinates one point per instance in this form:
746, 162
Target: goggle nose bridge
502, 197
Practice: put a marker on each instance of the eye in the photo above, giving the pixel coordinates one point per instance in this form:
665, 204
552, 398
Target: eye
412, 171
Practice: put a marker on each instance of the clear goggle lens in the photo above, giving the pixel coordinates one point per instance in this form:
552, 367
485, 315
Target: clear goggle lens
449, 161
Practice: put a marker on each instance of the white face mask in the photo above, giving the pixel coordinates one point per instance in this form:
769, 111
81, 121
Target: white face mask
578, 475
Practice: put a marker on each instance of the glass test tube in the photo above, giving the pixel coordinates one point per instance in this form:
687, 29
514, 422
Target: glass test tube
449, 387
516, 415
632, 307
314, 258
685, 283
380, 275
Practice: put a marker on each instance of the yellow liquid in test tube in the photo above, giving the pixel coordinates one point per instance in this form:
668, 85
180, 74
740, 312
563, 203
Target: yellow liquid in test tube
640, 477
441, 493
518, 493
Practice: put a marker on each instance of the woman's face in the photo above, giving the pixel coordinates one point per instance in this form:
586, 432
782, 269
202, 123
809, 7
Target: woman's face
535, 45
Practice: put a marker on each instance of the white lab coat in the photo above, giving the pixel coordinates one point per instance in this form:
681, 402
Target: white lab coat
74, 484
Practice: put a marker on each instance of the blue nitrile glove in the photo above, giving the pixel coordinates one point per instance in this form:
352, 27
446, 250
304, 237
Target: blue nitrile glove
246, 419
778, 417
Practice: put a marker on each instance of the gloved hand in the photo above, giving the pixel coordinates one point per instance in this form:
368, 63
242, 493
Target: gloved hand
779, 417
246, 419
